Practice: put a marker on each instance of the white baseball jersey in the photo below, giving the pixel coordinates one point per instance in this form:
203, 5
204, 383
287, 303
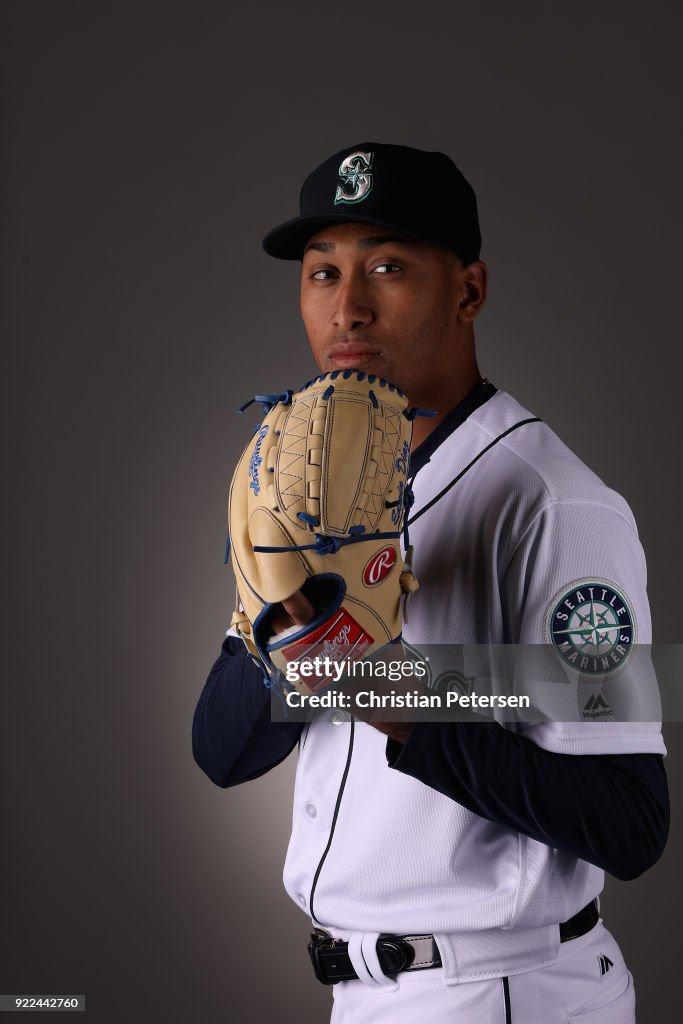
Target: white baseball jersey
527, 546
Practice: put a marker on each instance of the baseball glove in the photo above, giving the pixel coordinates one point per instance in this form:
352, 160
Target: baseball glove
317, 503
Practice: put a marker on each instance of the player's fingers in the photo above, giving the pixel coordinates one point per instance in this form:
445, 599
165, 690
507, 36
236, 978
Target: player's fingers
295, 610
299, 608
279, 620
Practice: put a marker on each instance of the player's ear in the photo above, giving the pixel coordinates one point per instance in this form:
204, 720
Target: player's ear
473, 282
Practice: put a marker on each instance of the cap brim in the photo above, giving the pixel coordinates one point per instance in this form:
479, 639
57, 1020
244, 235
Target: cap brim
288, 241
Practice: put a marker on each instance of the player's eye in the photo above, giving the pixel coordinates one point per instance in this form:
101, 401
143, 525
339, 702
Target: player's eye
324, 274
386, 268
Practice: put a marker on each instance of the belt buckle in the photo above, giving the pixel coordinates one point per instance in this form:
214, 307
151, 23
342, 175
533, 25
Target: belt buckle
395, 954
320, 939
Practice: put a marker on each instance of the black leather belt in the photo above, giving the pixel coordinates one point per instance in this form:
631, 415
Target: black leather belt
580, 923
396, 953
332, 963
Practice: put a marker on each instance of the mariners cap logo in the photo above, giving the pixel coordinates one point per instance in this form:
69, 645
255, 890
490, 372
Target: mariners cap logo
354, 171
591, 626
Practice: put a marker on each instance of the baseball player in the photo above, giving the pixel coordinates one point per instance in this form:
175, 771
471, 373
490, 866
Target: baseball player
452, 870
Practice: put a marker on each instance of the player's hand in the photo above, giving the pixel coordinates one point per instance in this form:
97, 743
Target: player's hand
298, 610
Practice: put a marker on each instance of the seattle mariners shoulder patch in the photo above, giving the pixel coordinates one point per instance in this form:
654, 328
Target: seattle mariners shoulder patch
591, 626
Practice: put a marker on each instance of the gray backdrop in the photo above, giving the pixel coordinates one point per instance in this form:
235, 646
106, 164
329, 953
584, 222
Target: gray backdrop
146, 149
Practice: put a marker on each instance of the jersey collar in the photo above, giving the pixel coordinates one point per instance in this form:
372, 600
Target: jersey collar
457, 415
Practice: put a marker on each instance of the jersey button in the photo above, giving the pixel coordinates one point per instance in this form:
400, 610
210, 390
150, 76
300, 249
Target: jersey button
302, 899
311, 810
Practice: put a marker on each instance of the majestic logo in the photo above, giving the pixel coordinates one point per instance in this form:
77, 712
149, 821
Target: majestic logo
354, 170
256, 460
591, 627
596, 707
605, 963
379, 566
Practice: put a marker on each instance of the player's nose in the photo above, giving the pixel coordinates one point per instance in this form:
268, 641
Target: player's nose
353, 307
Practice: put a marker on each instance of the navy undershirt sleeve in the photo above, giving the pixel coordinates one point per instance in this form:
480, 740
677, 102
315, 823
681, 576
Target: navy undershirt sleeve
233, 738
611, 810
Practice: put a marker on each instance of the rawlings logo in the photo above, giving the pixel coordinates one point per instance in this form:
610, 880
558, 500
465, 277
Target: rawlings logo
379, 566
329, 647
256, 460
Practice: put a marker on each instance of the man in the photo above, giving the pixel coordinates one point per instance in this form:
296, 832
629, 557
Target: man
455, 866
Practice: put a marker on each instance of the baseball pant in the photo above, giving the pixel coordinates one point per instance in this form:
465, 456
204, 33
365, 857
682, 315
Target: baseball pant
589, 983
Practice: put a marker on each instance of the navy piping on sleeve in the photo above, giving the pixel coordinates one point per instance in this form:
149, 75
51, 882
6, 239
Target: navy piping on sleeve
611, 810
233, 738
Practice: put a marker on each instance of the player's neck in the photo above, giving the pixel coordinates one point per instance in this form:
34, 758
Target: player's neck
441, 400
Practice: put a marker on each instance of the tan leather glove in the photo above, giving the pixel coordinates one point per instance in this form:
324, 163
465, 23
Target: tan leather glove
317, 505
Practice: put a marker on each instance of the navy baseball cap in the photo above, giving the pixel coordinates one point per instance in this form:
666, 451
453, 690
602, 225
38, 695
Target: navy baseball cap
417, 193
